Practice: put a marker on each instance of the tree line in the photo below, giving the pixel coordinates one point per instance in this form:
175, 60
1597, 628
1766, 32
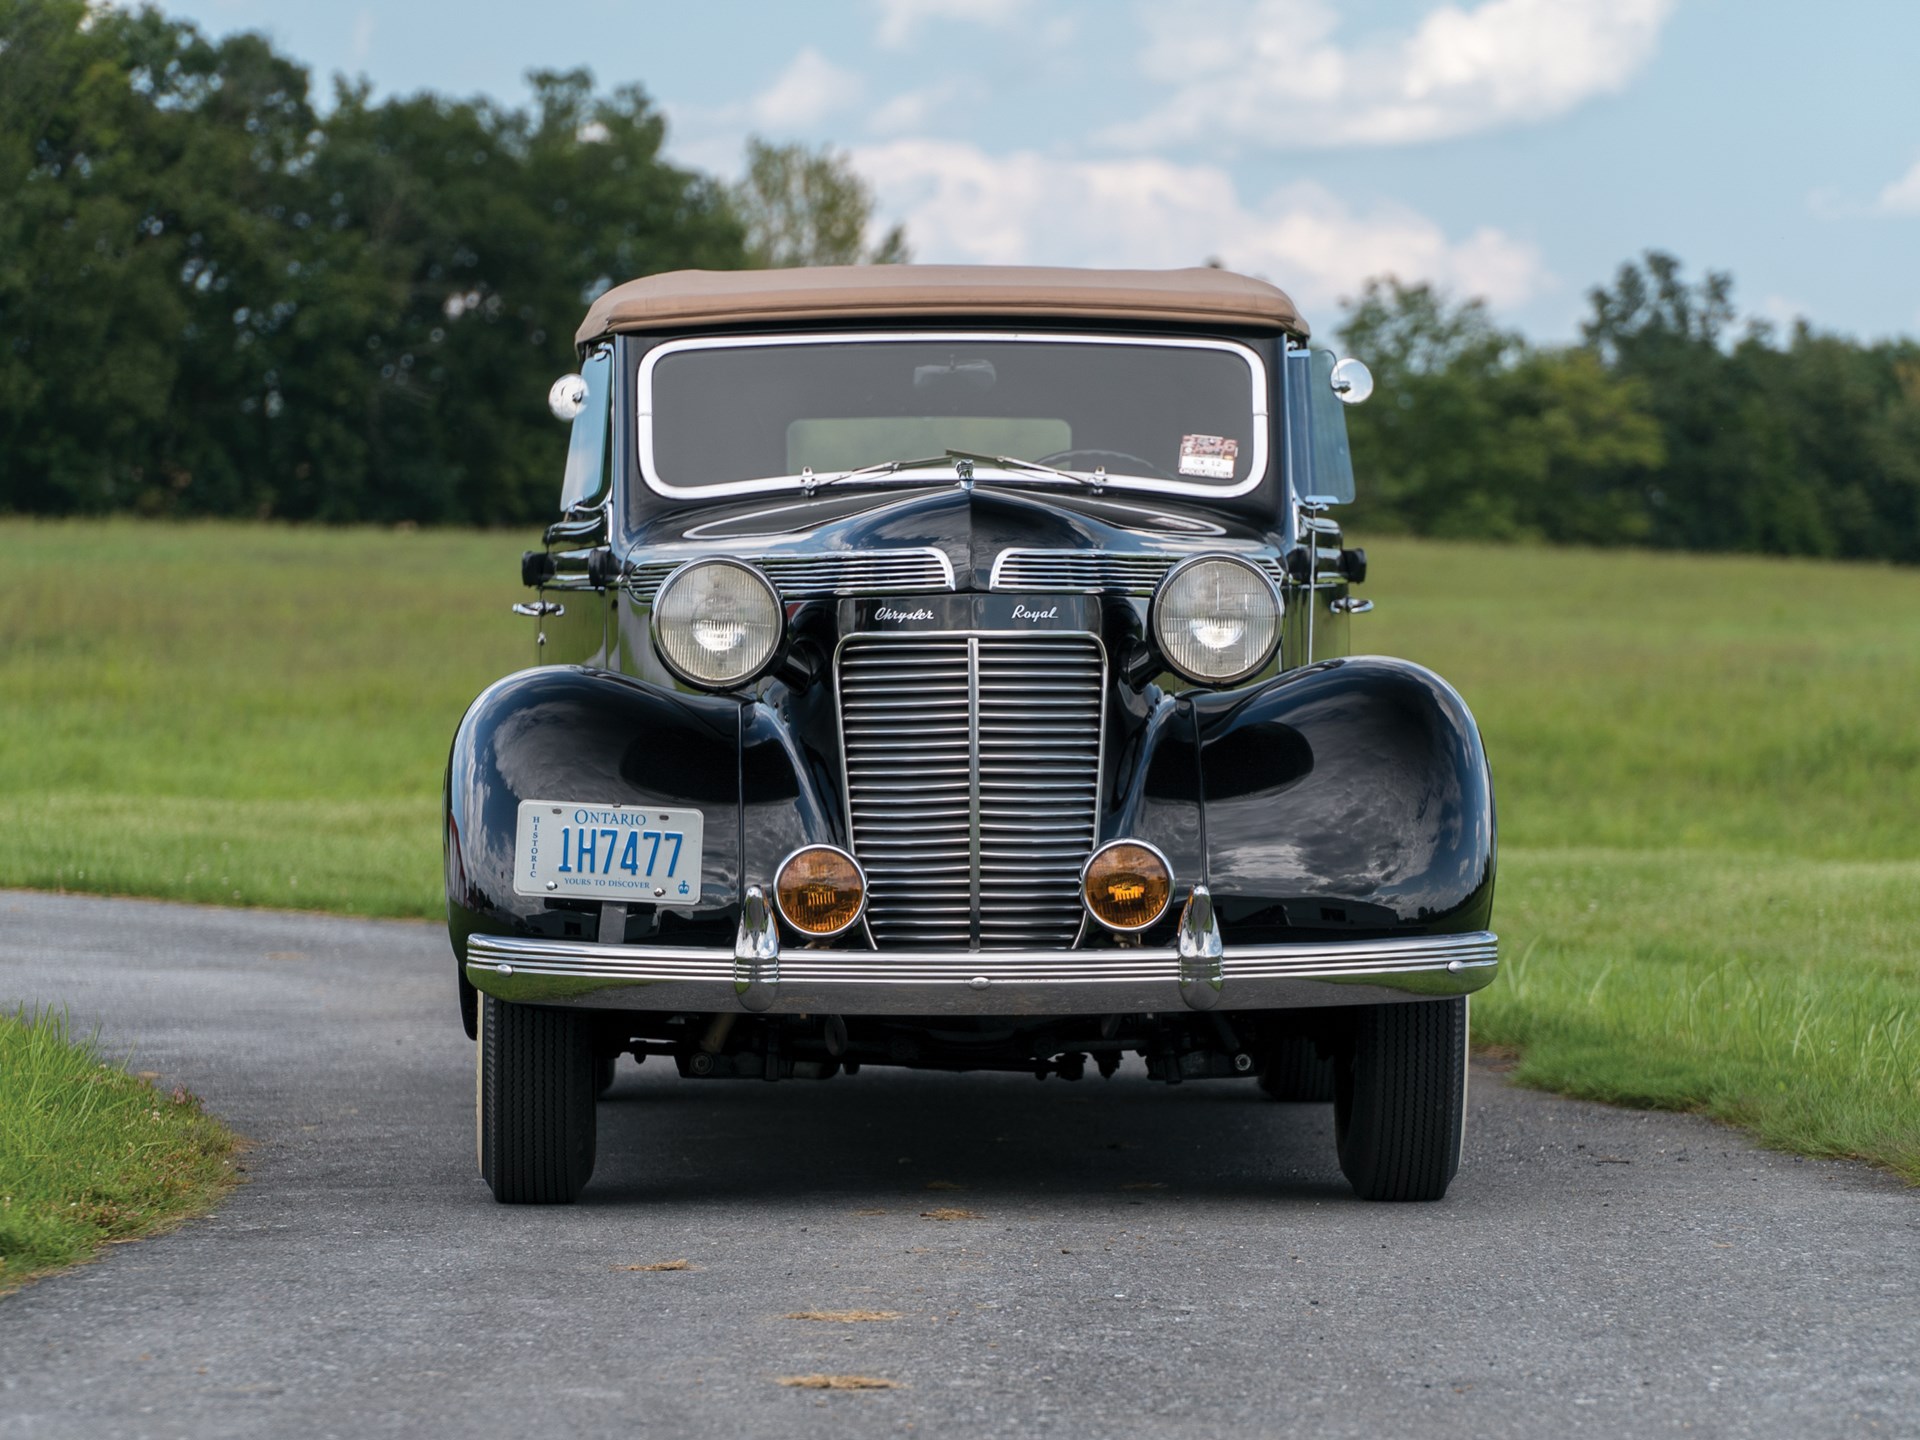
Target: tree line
219, 297
217, 300
1661, 427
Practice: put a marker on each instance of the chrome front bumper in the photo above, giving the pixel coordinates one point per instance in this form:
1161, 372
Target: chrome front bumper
988, 982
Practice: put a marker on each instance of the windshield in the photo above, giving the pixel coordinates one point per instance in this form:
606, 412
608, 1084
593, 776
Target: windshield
734, 416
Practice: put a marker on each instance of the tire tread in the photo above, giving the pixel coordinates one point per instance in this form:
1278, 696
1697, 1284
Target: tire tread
536, 1103
1398, 1100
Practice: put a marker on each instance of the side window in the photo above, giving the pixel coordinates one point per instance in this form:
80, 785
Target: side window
586, 476
1317, 427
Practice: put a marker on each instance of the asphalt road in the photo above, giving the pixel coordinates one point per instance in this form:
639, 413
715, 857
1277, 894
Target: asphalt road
1146, 1260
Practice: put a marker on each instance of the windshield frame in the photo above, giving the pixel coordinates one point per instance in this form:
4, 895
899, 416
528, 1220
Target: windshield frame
1258, 379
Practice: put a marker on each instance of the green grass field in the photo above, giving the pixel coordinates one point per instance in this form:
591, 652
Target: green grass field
1707, 770
90, 1154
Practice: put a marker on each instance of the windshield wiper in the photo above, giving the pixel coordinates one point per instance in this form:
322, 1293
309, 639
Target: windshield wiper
963, 462
810, 482
1095, 482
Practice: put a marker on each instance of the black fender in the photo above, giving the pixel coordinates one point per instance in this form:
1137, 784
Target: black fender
566, 733
1154, 792
1352, 797
570, 733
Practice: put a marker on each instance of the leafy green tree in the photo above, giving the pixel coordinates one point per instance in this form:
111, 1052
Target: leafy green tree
215, 302
1836, 448
142, 182
473, 236
808, 207
1673, 336
1473, 433
1802, 449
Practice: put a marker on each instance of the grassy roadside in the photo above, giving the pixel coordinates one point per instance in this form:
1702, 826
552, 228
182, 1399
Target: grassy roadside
1706, 770
1710, 868
241, 714
89, 1154
1778, 994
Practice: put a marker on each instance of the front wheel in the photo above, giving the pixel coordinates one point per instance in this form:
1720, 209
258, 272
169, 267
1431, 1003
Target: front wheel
535, 1092
1399, 1099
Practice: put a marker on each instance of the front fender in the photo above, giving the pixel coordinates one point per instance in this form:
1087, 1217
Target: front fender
1351, 796
566, 733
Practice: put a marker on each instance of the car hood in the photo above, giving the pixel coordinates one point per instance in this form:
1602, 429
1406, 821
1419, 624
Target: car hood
970, 526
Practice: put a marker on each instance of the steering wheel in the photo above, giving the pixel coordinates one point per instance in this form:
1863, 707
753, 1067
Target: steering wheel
1146, 467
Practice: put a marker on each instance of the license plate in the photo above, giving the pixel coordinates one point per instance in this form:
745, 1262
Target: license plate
608, 852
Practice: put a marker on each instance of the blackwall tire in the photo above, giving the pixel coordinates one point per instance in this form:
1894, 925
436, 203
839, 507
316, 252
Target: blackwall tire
1296, 1072
536, 1103
1399, 1102
605, 1068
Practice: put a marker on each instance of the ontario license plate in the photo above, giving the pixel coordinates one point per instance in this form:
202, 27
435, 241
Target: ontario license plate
608, 852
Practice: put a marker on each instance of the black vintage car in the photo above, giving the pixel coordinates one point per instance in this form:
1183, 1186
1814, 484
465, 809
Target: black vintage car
949, 667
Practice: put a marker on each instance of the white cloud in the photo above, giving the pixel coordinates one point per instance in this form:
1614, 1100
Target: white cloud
963, 205
901, 20
811, 88
911, 111
1271, 72
362, 36
1902, 196
713, 137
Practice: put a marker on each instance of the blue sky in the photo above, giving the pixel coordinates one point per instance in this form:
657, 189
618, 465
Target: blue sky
1514, 149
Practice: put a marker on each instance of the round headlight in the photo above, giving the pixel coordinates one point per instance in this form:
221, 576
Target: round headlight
717, 623
1216, 618
1126, 885
820, 890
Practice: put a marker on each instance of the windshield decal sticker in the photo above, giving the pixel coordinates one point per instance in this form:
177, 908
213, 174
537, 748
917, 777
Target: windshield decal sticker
1211, 457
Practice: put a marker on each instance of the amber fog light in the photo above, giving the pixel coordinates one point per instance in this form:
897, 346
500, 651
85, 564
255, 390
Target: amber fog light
1127, 885
820, 890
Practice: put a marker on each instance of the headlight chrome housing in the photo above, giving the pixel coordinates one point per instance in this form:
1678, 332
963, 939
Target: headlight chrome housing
1126, 885
821, 891
1216, 618
717, 624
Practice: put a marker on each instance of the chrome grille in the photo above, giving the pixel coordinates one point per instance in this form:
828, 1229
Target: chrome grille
823, 572
973, 766
1098, 572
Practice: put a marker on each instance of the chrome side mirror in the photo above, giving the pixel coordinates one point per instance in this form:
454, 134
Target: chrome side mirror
568, 397
1352, 381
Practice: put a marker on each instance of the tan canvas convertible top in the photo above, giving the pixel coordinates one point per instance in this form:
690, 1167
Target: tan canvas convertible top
683, 298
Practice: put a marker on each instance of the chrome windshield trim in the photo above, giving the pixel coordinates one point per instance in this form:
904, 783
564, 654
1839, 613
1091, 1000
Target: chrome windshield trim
974, 982
643, 406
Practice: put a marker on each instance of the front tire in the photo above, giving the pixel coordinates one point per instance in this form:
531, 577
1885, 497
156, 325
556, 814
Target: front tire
1399, 1099
535, 1096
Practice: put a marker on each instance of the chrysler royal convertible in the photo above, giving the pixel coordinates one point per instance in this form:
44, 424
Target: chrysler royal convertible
949, 666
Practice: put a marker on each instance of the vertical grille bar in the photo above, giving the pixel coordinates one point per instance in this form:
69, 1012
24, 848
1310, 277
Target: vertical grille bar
973, 769
973, 790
